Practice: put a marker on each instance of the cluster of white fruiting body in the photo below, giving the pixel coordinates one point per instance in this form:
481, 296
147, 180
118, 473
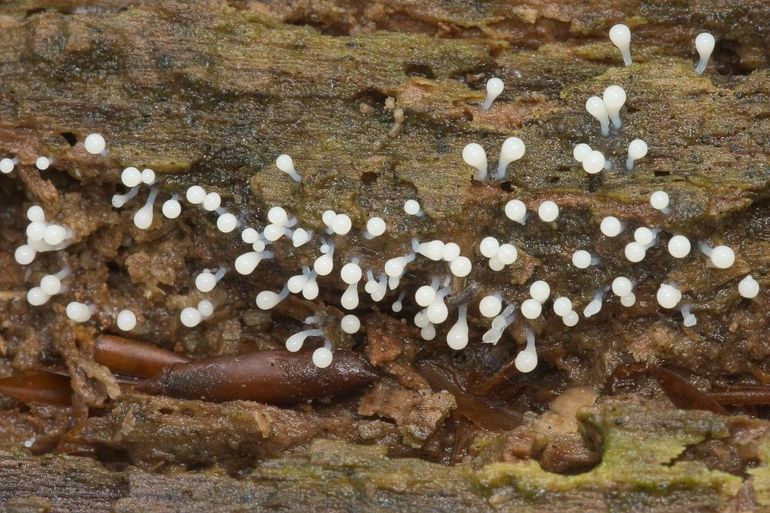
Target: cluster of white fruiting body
431, 300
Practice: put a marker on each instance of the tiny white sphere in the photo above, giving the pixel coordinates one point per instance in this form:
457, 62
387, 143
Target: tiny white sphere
267, 299
495, 86
628, 300
171, 209
611, 226
434, 250
531, 308
593, 162
310, 290
148, 176
205, 281
644, 236
425, 295
376, 226
475, 156
35, 231
562, 306
126, 320
704, 44
460, 267
285, 163
428, 332
637, 149
622, 286
581, 151
195, 194
635, 252
78, 312
295, 283
581, 259
421, 319
278, 215
411, 207
249, 235
95, 144
350, 324
131, 177
342, 224
659, 200
540, 291
614, 97
6, 165
36, 214
206, 308
50, 284
24, 254
516, 210
571, 319
748, 287
437, 312
327, 217
513, 149
212, 201
668, 296
620, 35
679, 246
489, 246
351, 273
722, 257
36, 296
226, 222
490, 306
526, 361
548, 211
322, 357
496, 264
450, 252
42, 163
273, 232
323, 265
54, 234
507, 254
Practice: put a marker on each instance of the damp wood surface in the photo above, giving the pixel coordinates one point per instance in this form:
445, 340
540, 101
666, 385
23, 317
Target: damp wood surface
211, 92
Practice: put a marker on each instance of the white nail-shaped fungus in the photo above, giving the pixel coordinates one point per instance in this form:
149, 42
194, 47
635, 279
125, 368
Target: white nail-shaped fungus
457, 336
594, 162
295, 342
37, 297
540, 291
126, 320
614, 97
679, 246
488, 247
659, 200
54, 234
118, 200
704, 44
748, 287
398, 304
426, 294
611, 226
42, 163
267, 299
24, 254
526, 360
490, 306
6, 165
513, 149
437, 312
286, 164
131, 177
300, 237
622, 286
475, 156
395, 266
635, 252
645, 236
668, 296
628, 300
620, 35
562, 306
206, 308
51, 283
596, 108
548, 211
247, 262
450, 252
341, 224
375, 227
428, 332
460, 267
278, 215
412, 207
206, 280
531, 308
582, 259
350, 324
195, 194
171, 208
495, 86
323, 357
581, 151
310, 288
688, 318
721, 257
595, 305
226, 222
211, 201
324, 264
571, 319
507, 254
143, 216
148, 176
349, 299
433, 250
516, 211
79, 312
636, 150
94, 144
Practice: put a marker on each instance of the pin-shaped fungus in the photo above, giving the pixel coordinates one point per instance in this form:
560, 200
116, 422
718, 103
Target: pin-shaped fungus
286, 164
704, 44
595, 107
513, 149
620, 35
636, 150
495, 87
614, 97
94, 144
475, 156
